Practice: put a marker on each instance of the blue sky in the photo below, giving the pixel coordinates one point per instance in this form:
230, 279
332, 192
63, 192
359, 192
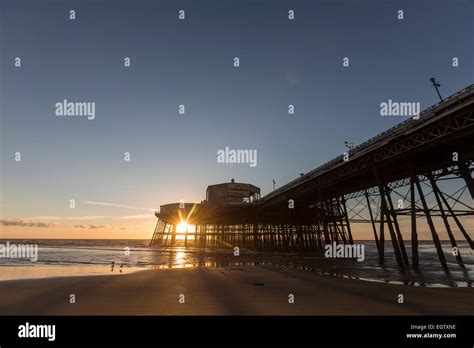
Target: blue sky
190, 62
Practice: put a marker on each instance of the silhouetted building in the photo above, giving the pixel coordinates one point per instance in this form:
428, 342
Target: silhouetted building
232, 192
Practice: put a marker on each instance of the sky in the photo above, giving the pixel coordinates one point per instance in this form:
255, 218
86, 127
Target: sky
191, 62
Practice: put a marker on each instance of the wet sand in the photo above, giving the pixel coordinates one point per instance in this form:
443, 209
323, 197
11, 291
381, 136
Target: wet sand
226, 291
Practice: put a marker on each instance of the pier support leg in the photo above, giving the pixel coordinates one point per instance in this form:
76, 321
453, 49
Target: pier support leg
426, 210
458, 223
464, 171
401, 243
414, 234
445, 220
255, 235
376, 238
382, 235
173, 235
186, 237
384, 213
346, 217
156, 234
393, 237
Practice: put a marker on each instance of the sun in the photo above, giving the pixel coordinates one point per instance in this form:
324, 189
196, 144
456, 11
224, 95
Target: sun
181, 227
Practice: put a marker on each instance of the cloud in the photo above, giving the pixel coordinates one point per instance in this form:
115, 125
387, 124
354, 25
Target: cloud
24, 223
66, 217
118, 205
86, 217
43, 218
89, 217
91, 226
138, 216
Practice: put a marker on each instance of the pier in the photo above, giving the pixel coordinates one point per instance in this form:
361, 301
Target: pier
402, 172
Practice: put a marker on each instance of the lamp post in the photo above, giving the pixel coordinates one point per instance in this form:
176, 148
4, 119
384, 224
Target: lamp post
435, 84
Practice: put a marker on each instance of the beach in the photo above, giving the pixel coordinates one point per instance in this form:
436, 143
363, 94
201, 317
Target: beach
241, 290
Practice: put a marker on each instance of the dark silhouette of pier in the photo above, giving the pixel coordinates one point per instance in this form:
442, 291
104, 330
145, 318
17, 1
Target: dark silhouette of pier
398, 173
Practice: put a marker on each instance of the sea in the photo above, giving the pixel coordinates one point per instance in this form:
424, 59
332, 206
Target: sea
68, 257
